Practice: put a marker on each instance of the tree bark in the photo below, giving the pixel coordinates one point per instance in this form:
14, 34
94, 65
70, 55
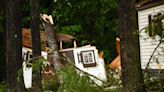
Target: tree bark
52, 41
34, 25
132, 78
13, 45
36, 45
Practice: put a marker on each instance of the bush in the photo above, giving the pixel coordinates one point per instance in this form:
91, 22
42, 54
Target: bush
153, 84
51, 84
2, 87
73, 82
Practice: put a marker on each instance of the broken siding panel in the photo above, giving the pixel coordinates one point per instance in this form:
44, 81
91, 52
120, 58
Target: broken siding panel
68, 54
147, 44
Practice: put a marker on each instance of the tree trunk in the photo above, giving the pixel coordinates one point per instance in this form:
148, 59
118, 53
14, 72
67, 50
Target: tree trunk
52, 41
13, 45
132, 78
36, 45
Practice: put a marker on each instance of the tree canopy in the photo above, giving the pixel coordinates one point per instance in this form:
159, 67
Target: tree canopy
91, 22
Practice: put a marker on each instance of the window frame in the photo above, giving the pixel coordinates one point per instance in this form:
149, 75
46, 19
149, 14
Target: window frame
89, 64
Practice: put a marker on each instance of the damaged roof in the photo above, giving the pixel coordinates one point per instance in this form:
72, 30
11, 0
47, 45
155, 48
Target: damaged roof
148, 4
27, 39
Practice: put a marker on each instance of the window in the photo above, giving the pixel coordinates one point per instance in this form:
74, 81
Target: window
150, 25
88, 58
155, 24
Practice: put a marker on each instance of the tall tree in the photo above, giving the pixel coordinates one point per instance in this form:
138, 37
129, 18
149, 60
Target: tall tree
34, 25
36, 45
132, 78
13, 45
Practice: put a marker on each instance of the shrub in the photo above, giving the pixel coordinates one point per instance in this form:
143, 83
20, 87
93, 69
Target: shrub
73, 82
2, 87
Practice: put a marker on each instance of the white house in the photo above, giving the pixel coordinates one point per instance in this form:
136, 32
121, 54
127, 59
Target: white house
147, 45
85, 58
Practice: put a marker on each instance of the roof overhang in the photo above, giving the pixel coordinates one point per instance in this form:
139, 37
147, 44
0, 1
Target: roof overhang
27, 39
148, 4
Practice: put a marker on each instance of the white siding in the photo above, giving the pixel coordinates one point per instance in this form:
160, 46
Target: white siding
98, 70
147, 44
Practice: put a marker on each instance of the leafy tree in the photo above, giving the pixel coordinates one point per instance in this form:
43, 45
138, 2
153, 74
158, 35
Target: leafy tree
91, 22
132, 79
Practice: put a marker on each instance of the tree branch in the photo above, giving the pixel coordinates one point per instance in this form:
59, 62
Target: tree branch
153, 54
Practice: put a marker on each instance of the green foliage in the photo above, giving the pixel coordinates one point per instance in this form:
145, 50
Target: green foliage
51, 85
154, 84
74, 29
44, 7
114, 83
156, 26
19, 75
73, 82
114, 78
1, 27
2, 87
37, 65
91, 22
2, 15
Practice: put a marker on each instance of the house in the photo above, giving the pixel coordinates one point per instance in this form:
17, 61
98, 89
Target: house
146, 10
85, 58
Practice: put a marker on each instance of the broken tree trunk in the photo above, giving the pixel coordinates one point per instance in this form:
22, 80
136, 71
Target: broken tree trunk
52, 41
